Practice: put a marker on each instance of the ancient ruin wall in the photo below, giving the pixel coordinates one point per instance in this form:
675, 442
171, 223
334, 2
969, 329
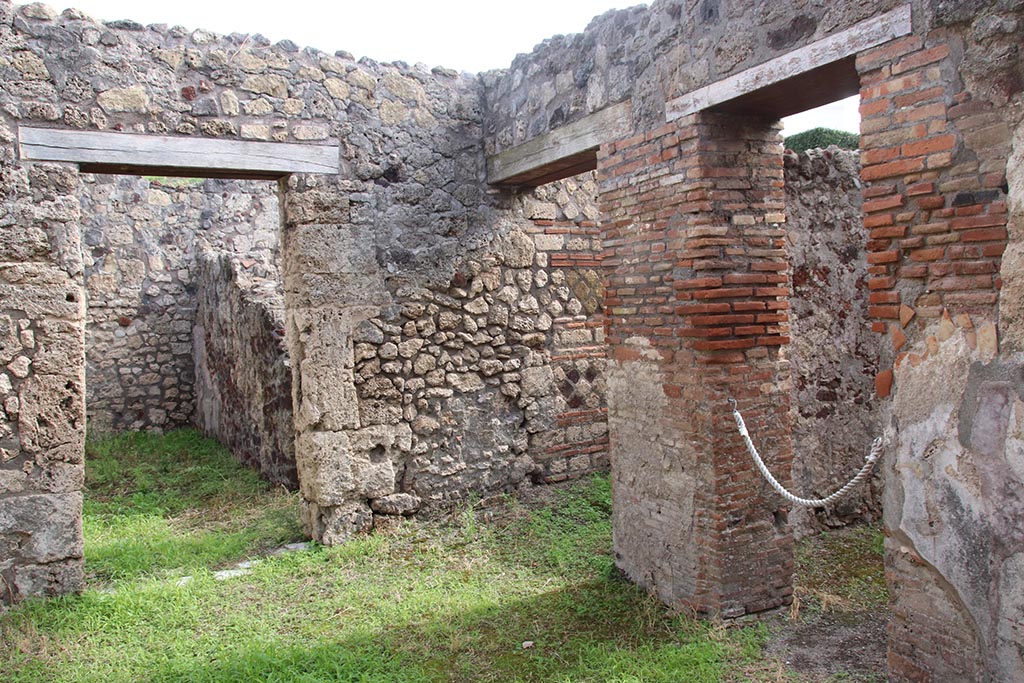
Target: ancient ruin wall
243, 375
411, 167
491, 304
486, 381
42, 375
142, 239
650, 55
833, 353
939, 113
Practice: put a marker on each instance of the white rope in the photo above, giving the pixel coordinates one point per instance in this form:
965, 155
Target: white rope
869, 464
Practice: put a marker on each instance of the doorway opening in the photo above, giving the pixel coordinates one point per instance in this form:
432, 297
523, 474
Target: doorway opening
184, 349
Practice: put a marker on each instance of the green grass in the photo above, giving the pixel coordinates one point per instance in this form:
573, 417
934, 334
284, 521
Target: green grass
843, 569
172, 181
425, 602
174, 504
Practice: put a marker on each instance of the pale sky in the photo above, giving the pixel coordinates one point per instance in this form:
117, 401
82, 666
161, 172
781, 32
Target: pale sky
466, 35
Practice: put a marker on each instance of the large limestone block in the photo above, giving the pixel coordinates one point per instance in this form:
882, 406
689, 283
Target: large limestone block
332, 265
42, 528
338, 467
336, 524
52, 413
329, 248
55, 578
60, 348
325, 466
40, 291
323, 358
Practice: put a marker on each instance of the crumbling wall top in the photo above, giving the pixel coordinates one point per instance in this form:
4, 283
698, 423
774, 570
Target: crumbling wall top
652, 55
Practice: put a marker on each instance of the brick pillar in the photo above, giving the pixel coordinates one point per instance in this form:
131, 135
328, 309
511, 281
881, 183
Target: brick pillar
696, 299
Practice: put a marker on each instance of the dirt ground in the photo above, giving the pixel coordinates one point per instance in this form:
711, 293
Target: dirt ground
833, 646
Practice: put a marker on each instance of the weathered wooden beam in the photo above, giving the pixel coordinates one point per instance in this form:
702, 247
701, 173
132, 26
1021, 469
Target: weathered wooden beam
110, 152
561, 153
835, 48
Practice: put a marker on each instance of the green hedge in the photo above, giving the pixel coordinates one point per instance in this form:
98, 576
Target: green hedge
822, 137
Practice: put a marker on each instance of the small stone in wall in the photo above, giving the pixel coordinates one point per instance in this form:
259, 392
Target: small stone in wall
310, 132
410, 347
31, 66
988, 342
465, 382
396, 504
517, 250
258, 107
133, 99
423, 364
38, 10
19, 367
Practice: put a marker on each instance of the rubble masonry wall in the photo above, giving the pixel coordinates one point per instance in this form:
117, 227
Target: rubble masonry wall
833, 352
142, 238
243, 374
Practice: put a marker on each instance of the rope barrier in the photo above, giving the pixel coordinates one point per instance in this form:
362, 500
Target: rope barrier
869, 464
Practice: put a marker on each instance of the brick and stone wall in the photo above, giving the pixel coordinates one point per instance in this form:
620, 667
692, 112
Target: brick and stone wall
697, 298
484, 380
444, 335
940, 109
243, 374
141, 239
833, 353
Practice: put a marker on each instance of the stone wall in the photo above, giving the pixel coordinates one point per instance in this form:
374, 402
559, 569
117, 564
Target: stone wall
650, 55
429, 354
834, 354
409, 176
243, 375
473, 303
42, 375
484, 381
141, 239
939, 113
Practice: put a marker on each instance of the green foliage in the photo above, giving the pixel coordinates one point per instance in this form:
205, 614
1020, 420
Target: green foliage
816, 138
173, 181
515, 594
173, 504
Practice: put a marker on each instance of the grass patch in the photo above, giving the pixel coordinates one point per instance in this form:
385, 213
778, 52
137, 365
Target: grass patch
174, 181
530, 595
842, 569
165, 505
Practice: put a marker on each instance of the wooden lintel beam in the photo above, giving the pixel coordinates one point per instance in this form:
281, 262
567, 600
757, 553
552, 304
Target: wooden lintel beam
560, 153
106, 152
836, 47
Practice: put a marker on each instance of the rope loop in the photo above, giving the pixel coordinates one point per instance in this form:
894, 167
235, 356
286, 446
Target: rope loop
869, 464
